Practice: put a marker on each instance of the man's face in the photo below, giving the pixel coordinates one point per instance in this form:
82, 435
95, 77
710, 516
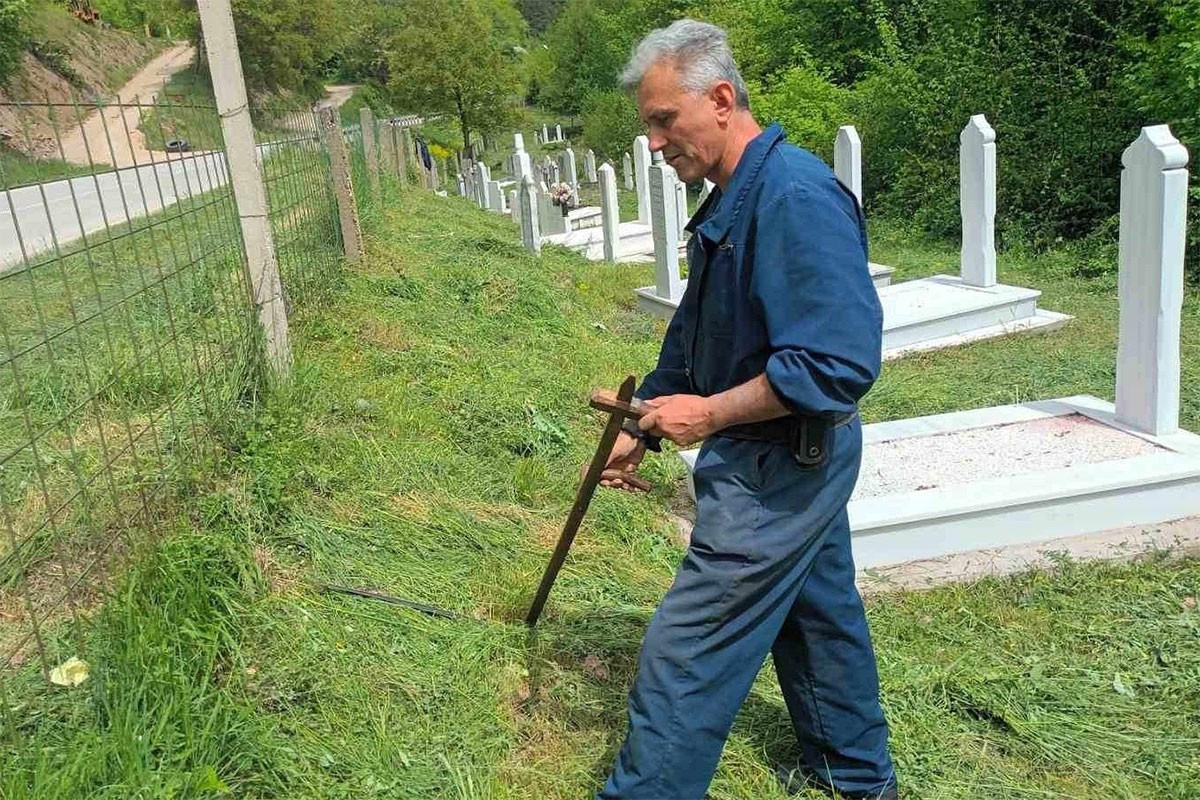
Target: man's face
683, 125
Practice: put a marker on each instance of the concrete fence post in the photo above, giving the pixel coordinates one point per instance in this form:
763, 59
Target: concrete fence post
343, 186
249, 191
366, 121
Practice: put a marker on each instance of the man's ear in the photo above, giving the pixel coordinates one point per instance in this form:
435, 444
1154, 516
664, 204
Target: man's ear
724, 100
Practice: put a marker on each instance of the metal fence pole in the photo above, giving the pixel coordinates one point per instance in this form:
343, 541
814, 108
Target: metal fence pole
343, 187
262, 267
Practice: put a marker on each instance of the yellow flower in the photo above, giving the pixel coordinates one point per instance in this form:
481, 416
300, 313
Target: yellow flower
71, 672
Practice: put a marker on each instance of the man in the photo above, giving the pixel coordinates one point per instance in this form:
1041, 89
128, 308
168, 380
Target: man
775, 341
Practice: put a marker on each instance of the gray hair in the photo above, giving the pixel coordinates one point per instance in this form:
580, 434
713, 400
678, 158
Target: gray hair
700, 51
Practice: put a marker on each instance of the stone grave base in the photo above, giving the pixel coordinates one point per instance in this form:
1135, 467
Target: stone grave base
942, 311
1012, 476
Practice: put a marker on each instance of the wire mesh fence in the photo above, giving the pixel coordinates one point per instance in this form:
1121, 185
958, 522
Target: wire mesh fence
128, 334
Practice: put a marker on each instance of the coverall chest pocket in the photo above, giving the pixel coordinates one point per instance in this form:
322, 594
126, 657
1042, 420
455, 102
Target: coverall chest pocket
721, 292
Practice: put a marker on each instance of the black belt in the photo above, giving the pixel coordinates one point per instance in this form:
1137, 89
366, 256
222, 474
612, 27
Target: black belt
809, 437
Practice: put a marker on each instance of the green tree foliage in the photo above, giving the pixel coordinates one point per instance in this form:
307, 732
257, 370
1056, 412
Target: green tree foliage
285, 43
159, 16
12, 36
540, 13
460, 59
610, 124
1066, 85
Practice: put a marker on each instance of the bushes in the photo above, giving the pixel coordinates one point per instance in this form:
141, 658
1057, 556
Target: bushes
12, 36
809, 107
610, 124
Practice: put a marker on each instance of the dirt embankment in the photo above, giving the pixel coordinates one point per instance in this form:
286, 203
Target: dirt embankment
98, 62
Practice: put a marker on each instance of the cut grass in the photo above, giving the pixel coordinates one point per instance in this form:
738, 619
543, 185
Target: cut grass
429, 447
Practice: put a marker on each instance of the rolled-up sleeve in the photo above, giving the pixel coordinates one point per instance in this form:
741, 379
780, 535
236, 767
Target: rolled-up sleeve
822, 313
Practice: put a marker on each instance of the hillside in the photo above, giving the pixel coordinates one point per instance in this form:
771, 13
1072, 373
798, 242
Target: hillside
66, 61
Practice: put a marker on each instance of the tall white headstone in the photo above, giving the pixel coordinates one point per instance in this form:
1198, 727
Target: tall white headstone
530, 235
545, 133
847, 159
483, 177
627, 165
609, 217
519, 142
570, 176
662, 179
681, 208
462, 186
641, 174
558, 133
589, 167
977, 202
1153, 228
514, 206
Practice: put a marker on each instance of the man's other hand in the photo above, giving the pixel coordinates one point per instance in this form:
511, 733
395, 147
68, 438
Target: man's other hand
683, 418
623, 462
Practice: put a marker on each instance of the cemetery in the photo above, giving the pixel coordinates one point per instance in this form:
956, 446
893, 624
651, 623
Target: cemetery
374, 373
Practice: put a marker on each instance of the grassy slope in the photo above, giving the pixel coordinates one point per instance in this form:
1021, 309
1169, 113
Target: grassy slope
429, 447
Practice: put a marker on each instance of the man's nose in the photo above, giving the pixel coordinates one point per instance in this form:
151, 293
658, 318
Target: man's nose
657, 140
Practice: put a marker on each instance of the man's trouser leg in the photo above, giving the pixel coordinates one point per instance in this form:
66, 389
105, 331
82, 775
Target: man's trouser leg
826, 668
760, 523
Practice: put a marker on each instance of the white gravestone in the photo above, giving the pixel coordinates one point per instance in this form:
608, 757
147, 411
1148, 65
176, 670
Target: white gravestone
530, 235
514, 206
545, 133
483, 177
681, 208
610, 220
550, 216
977, 202
589, 167
627, 165
462, 186
570, 176
495, 197
641, 174
847, 159
667, 281
1154, 187
558, 137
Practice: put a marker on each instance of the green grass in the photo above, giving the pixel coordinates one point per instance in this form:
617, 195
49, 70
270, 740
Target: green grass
183, 110
429, 447
18, 169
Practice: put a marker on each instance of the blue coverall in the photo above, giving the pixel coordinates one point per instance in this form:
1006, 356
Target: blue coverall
778, 283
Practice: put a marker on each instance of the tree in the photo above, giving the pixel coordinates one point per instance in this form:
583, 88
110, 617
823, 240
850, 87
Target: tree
461, 59
12, 36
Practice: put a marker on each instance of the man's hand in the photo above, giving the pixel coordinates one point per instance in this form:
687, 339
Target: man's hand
621, 471
683, 418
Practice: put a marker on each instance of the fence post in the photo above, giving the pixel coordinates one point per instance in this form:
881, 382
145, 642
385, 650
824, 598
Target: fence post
1154, 193
343, 187
366, 121
249, 192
